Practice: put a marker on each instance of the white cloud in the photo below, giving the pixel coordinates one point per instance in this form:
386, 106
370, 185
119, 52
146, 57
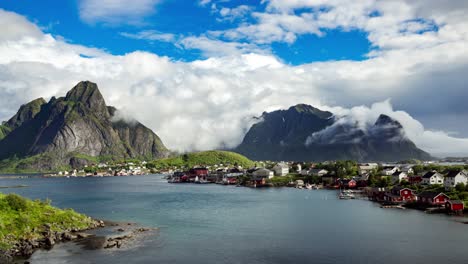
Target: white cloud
208, 103
151, 35
435, 142
236, 13
216, 48
114, 12
204, 2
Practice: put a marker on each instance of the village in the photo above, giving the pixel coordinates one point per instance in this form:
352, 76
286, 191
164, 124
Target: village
432, 188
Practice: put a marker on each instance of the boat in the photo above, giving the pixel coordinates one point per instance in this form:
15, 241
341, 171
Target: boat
346, 195
308, 186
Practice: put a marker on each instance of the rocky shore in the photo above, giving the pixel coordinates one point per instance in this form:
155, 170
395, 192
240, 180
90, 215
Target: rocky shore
24, 248
121, 236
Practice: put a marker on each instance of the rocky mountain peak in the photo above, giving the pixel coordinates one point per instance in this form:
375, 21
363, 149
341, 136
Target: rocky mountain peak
88, 93
385, 120
305, 108
306, 133
25, 113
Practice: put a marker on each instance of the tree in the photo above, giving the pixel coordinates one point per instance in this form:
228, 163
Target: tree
372, 181
384, 182
460, 187
404, 183
185, 158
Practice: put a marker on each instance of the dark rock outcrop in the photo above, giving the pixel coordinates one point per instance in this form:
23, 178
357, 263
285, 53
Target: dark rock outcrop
79, 123
304, 133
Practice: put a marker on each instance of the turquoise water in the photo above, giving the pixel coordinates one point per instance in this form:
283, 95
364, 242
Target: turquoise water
227, 224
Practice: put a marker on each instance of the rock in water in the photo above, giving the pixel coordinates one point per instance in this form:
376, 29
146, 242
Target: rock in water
79, 123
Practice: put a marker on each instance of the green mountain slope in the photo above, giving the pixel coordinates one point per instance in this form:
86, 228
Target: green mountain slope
204, 158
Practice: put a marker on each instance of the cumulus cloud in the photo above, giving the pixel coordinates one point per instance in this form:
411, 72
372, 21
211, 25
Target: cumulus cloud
115, 11
210, 103
363, 118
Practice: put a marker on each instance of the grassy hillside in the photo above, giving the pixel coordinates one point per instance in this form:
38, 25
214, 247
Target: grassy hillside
204, 158
21, 218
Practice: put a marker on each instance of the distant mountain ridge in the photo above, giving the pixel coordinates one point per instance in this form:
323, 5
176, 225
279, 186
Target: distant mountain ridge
305, 133
80, 123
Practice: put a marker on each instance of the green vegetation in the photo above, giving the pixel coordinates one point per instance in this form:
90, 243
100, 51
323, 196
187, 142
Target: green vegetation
204, 158
342, 168
21, 218
418, 169
279, 181
4, 130
45, 162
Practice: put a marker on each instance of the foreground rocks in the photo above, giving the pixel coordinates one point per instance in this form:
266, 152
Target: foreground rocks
26, 247
123, 236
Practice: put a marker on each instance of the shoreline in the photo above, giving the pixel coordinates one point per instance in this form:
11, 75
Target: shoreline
25, 247
118, 236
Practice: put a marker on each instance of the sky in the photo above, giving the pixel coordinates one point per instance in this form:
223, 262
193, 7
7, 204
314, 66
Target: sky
196, 72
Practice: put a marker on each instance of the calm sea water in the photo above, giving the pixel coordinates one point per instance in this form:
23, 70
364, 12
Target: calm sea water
220, 224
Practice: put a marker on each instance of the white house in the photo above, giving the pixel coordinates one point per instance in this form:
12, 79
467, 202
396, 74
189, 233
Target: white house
318, 172
388, 171
432, 177
455, 177
297, 167
263, 173
398, 176
281, 169
407, 169
367, 167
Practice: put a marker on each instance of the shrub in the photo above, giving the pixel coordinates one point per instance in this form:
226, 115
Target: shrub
16, 202
463, 195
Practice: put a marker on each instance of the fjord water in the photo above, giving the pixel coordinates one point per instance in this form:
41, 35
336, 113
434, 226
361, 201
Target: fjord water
226, 224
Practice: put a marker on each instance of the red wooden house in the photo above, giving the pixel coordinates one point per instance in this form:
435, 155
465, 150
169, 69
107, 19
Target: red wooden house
433, 198
348, 184
455, 206
201, 173
400, 195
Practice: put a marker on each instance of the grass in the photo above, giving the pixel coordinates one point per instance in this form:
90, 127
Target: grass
204, 158
21, 218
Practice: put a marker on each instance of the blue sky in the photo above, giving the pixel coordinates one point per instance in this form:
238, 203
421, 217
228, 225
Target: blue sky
182, 18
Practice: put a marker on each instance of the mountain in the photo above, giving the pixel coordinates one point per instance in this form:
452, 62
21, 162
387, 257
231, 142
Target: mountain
65, 130
305, 133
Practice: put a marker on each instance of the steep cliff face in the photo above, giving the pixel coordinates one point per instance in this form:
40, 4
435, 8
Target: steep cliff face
314, 135
25, 113
80, 123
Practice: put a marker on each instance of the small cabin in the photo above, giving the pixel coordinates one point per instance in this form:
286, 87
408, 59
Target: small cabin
433, 198
348, 184
454, 206
400, 195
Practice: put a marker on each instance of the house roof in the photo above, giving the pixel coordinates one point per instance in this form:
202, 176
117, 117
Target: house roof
282, 165
455, 202
399, 188
454, 173
428, 175
430, 194
317, 170
397, 173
